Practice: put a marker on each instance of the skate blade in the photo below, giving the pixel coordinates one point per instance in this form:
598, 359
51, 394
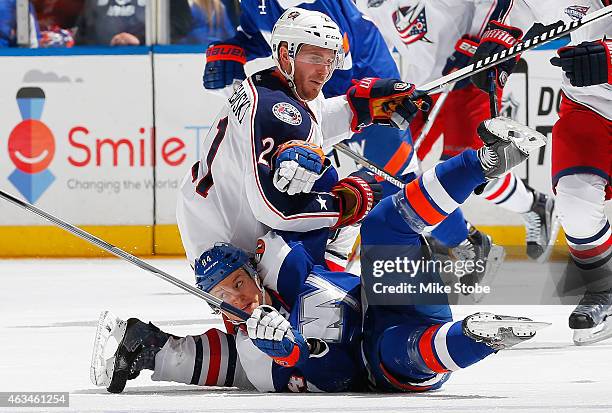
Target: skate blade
489, 325
584, 337
556, 226
495, 259
525, 138
520, 328
101, 369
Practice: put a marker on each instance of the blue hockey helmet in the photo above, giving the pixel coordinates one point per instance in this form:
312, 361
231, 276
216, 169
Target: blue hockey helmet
220, 261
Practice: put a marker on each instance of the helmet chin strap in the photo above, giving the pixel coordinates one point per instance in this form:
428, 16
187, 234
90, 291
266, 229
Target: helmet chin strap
290, 77
261, 288
290, 80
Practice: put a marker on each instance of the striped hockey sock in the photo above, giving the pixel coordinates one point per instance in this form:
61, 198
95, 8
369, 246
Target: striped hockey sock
205, 360
591, 252
423, 352
445, 348
429, 199
509, 192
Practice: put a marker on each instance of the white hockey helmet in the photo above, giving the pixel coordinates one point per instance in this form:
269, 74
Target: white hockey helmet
298, 26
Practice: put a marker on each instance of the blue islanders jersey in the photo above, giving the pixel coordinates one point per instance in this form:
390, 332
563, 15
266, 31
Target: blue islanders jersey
366, 52
319, 304
8, 25
329, 306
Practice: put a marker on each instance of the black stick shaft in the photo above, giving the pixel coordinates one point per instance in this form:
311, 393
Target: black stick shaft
369, 165
515, 50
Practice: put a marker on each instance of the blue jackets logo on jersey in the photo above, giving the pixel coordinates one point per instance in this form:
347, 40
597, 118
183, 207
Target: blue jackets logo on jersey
287, 113
576, 12
411, 23
293, 15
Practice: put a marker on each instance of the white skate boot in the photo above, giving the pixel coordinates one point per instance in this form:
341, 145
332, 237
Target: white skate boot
507, 144
500, 332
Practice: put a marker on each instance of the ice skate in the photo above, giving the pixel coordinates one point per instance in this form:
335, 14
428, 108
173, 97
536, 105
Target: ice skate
507, 144
137, 344
486, 256
591, 320
541, 227
500, 332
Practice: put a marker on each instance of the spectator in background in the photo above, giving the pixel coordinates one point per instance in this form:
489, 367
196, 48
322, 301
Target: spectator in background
57, 20
60, 13
210, 22
111, 22
122, 22
8, 25
233, 11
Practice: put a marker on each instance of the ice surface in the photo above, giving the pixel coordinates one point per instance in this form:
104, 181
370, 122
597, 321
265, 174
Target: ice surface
49, 310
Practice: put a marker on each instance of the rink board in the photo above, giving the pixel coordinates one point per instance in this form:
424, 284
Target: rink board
126, 127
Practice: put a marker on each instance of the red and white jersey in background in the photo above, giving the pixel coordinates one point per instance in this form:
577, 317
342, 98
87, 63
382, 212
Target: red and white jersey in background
424, 32
523, 13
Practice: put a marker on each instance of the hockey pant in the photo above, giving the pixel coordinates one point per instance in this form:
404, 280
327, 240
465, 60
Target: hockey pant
581, 167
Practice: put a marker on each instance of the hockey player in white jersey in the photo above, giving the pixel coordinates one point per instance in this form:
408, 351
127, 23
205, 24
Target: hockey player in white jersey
581, 156
435, 37
258, 166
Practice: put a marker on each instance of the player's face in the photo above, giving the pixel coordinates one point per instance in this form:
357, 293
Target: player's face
240, 290
312, 67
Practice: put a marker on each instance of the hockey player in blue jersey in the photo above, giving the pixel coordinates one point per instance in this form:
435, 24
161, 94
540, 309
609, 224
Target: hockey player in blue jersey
310, 329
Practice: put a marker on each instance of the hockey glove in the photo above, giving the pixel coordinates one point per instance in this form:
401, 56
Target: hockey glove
496, 39
383, 102
357, 194
297, 166
464, 50
224, 65
589, 63
273, 335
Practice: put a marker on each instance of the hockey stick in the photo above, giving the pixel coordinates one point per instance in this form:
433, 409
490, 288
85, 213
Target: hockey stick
490, 61
209, 298
476, 67
380, 171
431, 118
493, 95
371, 166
